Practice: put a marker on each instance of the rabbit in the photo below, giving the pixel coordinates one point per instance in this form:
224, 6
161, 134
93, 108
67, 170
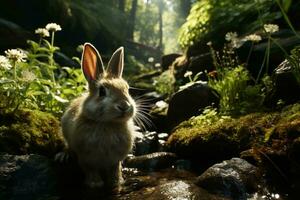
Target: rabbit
98, 126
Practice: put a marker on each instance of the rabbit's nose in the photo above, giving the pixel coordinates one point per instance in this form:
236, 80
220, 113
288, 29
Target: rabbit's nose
123, 106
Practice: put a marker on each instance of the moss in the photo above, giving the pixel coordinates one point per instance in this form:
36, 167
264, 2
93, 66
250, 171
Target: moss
232, 136
28, 131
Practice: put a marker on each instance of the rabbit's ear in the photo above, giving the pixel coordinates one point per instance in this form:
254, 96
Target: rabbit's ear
116, 63
91, 63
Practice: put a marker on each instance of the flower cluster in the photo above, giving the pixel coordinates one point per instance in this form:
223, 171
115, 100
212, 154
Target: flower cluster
188, 74
53, 27
230, 36
253, 38
16, 55
28, 76
271, 28
4, 63
42, 32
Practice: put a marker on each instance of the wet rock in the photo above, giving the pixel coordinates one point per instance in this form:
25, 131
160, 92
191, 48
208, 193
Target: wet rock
167, 60
146, 143
27, 177
234, 178
153, 161
286, 85
179, 190
189, 102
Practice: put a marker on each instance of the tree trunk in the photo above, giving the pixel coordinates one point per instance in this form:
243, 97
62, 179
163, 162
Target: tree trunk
132, 17
122, 4
160, 14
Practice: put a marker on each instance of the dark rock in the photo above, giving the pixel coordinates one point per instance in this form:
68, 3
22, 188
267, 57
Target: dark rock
167, 60
158, 160
189, 102
146, 143
27, 177
158, 115
287, 41
286, 86
12, 35
64, 60
178, 190
233, 178
201, 63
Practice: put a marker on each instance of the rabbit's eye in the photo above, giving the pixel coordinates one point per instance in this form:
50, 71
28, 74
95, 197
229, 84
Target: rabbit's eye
102, 91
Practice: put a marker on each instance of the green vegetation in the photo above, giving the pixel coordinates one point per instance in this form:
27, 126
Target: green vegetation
32, 79
27, 131
164, 83
210, 19
238, 134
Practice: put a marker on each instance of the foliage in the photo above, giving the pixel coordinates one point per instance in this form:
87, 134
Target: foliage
274, 129
294, 60
40, 83
211, 18
239, 94
208, 117
164, 83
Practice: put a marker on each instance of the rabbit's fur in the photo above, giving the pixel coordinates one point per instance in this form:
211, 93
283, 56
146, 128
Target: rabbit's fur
98, 126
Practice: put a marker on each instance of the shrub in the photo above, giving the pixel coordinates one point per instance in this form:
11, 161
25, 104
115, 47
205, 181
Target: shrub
208, 19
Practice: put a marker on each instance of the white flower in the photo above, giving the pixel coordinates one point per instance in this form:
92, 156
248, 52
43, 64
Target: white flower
271, 28
17, 55
53, 27
253, 38
42, 32
161, 104
209, 43
28, 75
150, 59
4, 63
157, 65
188, 73
230, 36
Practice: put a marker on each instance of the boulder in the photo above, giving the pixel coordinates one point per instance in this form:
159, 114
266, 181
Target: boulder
153, 161
286, 85
145, 143
201, 63
12, 35
234, 178
190, 102
30, 131
167, 60
27, 177
64, 60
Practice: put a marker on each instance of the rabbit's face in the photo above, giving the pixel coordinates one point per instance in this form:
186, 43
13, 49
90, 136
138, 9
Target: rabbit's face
110, 101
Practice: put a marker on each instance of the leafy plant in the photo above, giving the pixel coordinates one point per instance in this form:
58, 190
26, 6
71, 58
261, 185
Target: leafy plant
33, 79
208, 117
164, 83
239, 94
294, 60
210, 18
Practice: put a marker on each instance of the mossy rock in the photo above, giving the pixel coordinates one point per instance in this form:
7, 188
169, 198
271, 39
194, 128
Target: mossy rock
28, 131
228, 138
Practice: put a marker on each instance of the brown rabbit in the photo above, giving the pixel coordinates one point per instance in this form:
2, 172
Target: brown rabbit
98, 126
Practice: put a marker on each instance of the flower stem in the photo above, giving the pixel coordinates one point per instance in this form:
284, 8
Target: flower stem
15, 70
